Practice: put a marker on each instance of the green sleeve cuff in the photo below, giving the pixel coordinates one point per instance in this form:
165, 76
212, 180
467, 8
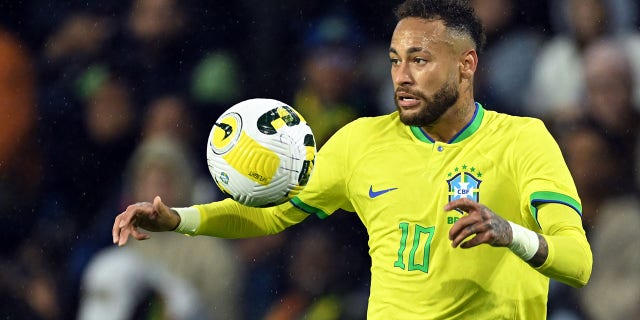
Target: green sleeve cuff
542, 197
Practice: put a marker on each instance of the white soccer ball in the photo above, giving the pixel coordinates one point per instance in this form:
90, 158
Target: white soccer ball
261, 152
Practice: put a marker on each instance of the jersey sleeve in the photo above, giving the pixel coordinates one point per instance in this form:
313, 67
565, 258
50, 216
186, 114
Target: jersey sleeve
327, 191
550, 202
542, 174
569, 257
230, 219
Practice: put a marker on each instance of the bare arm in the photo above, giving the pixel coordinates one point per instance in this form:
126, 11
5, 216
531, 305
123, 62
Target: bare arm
225, 219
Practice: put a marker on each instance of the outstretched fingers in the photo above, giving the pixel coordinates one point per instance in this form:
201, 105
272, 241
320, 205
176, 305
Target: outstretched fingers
125, 224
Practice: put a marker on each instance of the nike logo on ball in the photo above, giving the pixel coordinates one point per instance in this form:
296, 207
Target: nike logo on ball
373, 194
227, 129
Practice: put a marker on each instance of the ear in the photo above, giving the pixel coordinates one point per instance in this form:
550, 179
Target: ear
468, 63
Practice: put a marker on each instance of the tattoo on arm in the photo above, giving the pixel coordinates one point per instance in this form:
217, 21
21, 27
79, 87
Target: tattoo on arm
502, 231
541, 256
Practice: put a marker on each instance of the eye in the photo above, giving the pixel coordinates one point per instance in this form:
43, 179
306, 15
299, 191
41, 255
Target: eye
419, 60
394, 61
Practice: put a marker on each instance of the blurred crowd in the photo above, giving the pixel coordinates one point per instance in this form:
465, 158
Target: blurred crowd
108, 103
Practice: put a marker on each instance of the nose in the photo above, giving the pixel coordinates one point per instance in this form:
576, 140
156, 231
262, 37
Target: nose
401, 74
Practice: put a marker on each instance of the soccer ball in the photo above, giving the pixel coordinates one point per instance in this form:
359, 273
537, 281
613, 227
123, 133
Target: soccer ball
261, 152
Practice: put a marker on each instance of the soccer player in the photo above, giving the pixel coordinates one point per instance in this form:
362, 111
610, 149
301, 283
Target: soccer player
469, 212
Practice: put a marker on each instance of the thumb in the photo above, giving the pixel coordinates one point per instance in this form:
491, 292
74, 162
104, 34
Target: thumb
157, 203
168, 218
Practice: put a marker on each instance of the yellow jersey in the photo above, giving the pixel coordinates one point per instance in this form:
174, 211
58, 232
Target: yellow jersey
398, 180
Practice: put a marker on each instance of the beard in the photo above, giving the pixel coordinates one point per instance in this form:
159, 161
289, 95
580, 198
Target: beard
433, 108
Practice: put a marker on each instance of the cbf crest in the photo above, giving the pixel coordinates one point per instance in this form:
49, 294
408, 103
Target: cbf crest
464, 182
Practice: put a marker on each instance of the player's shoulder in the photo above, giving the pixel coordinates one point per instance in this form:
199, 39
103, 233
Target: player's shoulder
367, 133
374, 125
383, 120
507, 124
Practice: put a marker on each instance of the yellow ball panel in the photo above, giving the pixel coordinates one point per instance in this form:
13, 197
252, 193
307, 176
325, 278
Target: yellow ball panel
224, 132
252, 160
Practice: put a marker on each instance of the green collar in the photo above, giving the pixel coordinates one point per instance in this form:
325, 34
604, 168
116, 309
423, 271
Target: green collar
466, 132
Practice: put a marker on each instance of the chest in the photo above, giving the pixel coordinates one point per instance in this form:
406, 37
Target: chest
407, 183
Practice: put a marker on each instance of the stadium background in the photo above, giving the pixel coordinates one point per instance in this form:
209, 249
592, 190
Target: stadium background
96, 95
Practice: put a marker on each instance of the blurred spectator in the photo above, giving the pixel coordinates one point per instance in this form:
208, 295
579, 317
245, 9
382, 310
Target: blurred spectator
266, 47
615, 281
610, 80
154, 48
374, 67
330, 95
323, 99
80, 148
170, 115
558, 79
166, 46
608, 104
607, 127
71, 62
74, 102
313, 291
152, 291
28, 288
19, 158
162, 166
277, 287
110, 112
83, 169
614, 289
79, 39
595, 168
216, 83
262, 259
624, 14
508, 56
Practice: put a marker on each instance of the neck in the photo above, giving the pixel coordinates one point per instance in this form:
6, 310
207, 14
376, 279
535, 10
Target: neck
452, 121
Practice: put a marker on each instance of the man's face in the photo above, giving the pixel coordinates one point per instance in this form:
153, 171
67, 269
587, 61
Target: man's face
424, 70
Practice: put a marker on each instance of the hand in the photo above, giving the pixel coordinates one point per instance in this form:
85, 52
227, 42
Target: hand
152, 217
487, 226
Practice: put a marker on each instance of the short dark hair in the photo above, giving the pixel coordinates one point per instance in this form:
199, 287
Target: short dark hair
457, 15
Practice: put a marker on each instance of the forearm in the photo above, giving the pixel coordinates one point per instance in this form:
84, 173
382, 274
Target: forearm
229, 219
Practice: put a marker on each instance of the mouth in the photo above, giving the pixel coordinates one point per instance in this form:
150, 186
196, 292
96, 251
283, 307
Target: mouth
407, 100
